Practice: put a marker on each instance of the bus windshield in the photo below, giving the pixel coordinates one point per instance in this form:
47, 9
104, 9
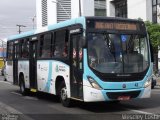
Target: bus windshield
117, 53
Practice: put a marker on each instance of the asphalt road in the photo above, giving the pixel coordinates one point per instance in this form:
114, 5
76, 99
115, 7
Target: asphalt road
14, 106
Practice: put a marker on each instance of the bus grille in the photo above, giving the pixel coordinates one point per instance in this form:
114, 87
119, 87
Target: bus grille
115, 95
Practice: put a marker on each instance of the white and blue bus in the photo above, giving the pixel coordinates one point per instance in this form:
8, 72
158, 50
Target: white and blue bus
88, 59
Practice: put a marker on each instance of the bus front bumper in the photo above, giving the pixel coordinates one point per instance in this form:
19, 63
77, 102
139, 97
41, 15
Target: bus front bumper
95, 95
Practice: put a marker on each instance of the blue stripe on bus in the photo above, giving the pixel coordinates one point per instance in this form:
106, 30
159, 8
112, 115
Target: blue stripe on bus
47, 88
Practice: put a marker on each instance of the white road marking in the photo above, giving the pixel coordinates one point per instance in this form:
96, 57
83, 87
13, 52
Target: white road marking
141, 112
12, 111
30, 98
16, 93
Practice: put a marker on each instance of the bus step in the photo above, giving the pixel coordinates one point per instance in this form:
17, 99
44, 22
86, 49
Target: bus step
33, 90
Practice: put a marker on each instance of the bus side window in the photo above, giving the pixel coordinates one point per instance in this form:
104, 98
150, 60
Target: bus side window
25, 48
10, 50
61, 45
45, 46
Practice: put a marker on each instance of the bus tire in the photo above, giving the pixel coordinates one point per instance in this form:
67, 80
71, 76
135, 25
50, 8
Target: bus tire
22, 85
66, 102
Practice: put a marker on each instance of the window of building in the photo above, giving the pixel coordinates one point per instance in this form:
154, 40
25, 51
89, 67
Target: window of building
46, 46
61, 44
100, 7
154, 11
121, 8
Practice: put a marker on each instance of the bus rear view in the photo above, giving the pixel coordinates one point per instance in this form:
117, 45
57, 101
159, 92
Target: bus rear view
117, 63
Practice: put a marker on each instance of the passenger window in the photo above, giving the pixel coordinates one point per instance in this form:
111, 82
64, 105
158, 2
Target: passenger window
10, 50
61, 44
46, 46
25, 49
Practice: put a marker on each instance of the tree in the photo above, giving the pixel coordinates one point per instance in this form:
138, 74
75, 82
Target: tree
154, 33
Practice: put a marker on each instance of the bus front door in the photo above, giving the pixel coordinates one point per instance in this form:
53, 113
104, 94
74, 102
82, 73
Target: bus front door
76, 67
33, 64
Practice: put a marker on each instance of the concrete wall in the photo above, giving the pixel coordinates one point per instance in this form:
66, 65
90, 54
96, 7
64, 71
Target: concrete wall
51, 12
137, 9
149, 9
110, 8
38, 13
87, 7
74, 8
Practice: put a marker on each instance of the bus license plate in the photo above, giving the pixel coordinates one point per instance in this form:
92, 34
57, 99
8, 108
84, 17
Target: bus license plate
124, 98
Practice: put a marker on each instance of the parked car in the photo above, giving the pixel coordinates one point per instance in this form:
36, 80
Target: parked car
154, 81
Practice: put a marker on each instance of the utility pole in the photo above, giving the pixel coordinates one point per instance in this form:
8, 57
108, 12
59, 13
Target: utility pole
19, 28
80, 14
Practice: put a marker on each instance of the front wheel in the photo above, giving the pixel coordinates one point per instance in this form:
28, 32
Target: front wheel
66, 102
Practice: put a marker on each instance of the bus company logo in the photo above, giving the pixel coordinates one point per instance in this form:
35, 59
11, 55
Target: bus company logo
57, 69
124, 86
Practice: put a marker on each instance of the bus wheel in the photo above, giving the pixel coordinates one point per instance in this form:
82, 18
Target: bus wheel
66, 102
22, 85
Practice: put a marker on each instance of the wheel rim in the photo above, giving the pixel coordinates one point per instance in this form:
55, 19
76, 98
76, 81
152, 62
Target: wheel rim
63, 94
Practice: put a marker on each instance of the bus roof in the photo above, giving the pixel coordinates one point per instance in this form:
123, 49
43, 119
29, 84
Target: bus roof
80, 20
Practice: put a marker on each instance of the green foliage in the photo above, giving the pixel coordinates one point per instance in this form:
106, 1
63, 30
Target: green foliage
154, 33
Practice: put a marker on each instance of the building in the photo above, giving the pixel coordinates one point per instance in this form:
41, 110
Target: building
54, 11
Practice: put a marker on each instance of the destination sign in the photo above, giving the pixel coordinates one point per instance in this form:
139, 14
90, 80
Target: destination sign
116, 26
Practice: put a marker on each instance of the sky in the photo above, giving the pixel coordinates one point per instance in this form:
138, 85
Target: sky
13, 12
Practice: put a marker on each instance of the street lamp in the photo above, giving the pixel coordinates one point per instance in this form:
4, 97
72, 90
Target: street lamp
80, 12
33, 20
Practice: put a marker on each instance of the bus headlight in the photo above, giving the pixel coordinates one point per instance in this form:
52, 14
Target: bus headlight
93, 83
148, 82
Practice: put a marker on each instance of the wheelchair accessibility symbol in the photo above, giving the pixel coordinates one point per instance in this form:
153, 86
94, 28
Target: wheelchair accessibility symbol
123, 38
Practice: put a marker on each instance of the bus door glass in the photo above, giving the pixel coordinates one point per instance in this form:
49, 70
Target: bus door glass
33, 64
76, 66
15, 63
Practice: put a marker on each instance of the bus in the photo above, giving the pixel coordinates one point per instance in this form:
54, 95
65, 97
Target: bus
88, 59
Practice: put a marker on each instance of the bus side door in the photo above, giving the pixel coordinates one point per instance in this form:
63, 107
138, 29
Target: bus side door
33, 64
76, 66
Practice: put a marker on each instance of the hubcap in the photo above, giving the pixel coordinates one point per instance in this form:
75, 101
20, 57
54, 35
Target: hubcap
64, 94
